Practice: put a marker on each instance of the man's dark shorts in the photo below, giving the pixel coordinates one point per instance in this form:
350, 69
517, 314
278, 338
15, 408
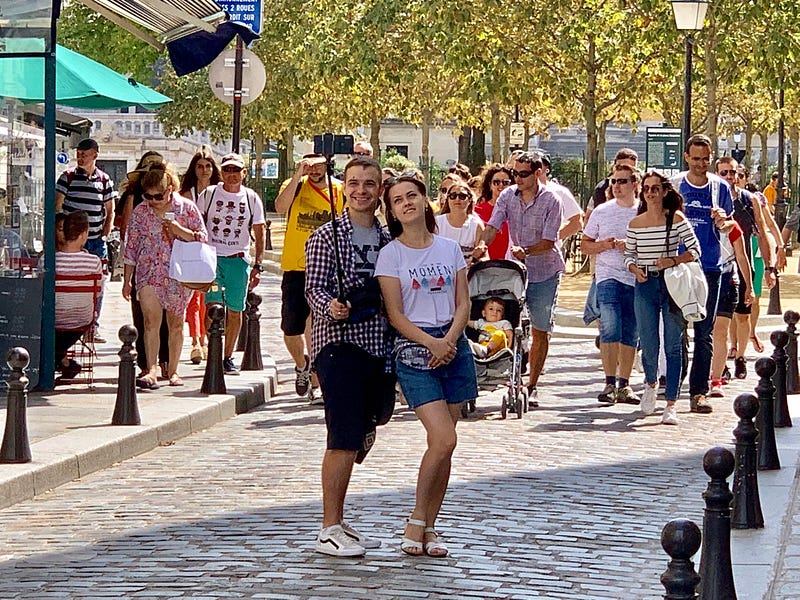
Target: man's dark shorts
741, 307
353, 382
728, 295
294, 306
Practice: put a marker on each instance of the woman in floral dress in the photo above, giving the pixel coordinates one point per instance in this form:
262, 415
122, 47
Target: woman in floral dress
155, 224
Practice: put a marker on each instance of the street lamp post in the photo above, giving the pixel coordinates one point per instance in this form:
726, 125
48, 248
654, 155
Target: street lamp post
689, 17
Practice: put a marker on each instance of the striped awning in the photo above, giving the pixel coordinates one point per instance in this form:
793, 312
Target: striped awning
167, 20
194, 31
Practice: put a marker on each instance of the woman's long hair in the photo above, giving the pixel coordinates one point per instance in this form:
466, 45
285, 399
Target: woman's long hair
488, 175
672, 201
189, 179
395, 227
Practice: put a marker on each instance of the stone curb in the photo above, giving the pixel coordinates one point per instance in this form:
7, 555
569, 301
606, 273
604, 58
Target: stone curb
85, 449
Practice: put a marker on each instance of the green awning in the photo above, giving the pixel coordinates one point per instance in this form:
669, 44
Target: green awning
80, 82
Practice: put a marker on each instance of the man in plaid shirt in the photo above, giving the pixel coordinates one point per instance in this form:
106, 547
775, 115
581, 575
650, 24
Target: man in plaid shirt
348, 351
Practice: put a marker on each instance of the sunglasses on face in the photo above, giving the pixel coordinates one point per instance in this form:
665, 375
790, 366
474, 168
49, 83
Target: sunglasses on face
741, 175
521, 174
158, 197
726, 172
651, 188
231, 169
457, 196
360, 153
621, 181
499, 182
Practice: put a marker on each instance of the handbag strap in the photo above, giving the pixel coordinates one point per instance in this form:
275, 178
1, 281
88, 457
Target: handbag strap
670, 219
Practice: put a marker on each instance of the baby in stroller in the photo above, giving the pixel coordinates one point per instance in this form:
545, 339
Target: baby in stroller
494, 331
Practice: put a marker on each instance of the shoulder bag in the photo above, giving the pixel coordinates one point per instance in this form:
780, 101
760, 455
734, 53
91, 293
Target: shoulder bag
686, 284
193, 264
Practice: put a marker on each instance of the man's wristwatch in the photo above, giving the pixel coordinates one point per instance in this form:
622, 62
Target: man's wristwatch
259, 267
770, 270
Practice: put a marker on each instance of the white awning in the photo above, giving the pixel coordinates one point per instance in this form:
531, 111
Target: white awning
166, 21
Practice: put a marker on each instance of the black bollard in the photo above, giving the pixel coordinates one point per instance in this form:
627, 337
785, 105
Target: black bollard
268, 235
126, 408
680, 538
791, 318
16, 448
779, 339
768, 459
716, 571
251, 361
746, 504
214, 377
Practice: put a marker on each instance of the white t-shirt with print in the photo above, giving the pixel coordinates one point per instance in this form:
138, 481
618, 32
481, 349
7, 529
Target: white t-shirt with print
228, 218
610, 220
427, 278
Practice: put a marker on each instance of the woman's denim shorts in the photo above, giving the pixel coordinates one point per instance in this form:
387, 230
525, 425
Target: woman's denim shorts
454, 382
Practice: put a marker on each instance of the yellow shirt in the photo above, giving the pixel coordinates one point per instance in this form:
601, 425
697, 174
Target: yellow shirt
310, 209
770, 193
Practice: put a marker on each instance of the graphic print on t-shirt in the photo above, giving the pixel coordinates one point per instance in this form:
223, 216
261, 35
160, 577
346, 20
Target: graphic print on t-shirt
228, 221
365, 242
433, 278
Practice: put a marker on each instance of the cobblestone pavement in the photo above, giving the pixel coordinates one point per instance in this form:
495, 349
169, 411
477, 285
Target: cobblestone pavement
567, 503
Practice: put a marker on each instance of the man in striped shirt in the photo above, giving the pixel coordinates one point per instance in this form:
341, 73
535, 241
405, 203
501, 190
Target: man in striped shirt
76, 274
87, 188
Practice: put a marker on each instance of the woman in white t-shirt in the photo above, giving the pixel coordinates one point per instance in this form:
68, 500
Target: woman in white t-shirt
423, 279
457, 222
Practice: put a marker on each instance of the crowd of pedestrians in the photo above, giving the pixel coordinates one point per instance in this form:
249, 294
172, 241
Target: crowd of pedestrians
375, 294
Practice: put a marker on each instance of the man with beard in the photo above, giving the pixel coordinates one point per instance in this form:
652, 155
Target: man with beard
305, 201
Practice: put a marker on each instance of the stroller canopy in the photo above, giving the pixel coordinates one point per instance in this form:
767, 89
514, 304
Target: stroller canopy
501, 278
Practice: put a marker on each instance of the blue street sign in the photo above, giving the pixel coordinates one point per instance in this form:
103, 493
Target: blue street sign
247, 12
62, 158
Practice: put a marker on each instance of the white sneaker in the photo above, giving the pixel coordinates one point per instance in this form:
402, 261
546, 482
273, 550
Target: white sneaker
315, 397
716, 391
333, 541
648, 405
670, 416
360, 538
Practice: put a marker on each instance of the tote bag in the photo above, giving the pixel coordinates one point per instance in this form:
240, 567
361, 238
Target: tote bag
194, 264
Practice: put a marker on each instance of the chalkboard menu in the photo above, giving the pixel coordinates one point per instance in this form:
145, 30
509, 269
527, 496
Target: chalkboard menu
21, 322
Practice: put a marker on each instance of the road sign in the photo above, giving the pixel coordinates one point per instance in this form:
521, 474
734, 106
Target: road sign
62, 158
247, 12
221, 75
663, 150
517, 135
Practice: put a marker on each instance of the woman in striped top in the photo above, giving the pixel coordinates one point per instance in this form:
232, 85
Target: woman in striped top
647, 254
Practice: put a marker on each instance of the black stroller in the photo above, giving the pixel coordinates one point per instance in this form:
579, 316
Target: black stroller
506, 280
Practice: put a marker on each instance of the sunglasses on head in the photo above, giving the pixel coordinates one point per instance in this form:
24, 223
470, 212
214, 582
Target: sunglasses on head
726, 172
457, 196
158, 197
622, 181
521, 174
498, 182
651, 188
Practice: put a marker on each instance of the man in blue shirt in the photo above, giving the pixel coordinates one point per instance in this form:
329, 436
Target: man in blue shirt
703, 193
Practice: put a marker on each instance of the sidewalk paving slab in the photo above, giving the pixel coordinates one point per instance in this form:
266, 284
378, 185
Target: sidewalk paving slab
70, 429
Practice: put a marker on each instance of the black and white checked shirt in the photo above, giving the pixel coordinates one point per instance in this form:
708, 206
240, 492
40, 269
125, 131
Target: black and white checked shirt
321, 288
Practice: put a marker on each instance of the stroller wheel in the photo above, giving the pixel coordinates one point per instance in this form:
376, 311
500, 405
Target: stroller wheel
464, 411
597, 342
471, 406
504, 407
518, 406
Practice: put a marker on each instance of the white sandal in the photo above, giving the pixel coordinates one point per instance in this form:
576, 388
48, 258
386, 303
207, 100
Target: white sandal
435, 549
413, 547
